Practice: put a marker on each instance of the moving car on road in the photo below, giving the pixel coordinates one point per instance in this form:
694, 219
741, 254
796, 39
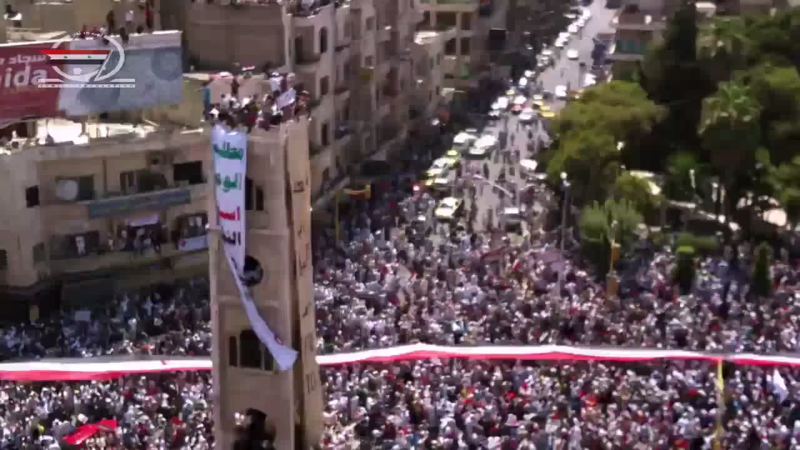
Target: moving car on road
527, 115
561, 92
572, 54
573, 29
448, 209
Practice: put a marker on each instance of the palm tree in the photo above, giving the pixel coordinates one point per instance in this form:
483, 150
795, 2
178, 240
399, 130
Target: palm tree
723, 44
730, 132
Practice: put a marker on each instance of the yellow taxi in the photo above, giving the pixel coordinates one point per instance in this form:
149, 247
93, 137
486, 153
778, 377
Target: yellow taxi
548, 115
453, 156
545, 108
437, 184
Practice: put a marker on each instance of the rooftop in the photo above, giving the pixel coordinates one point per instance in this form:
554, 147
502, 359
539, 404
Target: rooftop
32, 34
52, 132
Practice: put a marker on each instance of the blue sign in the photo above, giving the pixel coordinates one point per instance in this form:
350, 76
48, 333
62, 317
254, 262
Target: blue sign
110, 207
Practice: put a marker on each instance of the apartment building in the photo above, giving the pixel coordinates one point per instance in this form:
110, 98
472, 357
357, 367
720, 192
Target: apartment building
427, 98
467, 54
352, 57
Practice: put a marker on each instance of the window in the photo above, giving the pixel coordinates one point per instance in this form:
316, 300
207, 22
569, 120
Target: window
438, 90
325, 134
75, 245
253, 196
466, 21
188, 173
3, 260
127, 181
32, 197
439, 59
233, 352
446, 19
323, 40
348, 29
250, 347
324, 86
39, 253
450, 47
191, 225
465, 46
370, 23
85, 188
368, 61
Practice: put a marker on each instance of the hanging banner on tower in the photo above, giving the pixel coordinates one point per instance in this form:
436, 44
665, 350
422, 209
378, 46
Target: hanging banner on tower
229, 148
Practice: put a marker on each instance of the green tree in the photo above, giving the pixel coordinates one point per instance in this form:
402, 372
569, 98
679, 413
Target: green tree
777, 90
731, 135
673, 77
637, 191
619, 108
785, 180
761, 284
598, 222
722, 47
685, 273
680, 169
591, 160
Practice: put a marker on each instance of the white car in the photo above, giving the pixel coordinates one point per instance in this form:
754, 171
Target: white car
572, 54
527, 115
520, 100
546, 53
573, 29
580, 22
586, 15
560, 44
564, 36
561, 92
589, 80
500, 104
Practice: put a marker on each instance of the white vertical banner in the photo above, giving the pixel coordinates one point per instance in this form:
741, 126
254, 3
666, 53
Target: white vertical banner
230, 168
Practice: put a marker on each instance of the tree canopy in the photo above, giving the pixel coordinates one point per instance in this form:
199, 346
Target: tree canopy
716, 98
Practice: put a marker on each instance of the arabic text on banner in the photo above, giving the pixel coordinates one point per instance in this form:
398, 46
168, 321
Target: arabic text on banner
230, 168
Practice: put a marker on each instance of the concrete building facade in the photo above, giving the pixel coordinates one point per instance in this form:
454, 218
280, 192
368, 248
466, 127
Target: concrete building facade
467, 55
278, 237
352, 57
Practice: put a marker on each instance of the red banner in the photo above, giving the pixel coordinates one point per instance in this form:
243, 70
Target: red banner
85, 432
21, 67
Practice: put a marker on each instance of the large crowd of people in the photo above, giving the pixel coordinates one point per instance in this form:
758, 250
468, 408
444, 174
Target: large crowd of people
392, 278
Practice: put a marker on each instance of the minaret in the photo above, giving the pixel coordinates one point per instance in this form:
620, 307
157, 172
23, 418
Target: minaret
278, 221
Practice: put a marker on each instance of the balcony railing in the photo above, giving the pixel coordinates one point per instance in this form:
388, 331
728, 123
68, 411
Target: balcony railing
305, 60
342, 131
341, 89
113, 204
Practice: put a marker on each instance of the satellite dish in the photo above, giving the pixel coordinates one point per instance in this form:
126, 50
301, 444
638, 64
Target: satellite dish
67, 190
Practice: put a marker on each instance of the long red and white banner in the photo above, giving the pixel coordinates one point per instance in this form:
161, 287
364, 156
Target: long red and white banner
86, 369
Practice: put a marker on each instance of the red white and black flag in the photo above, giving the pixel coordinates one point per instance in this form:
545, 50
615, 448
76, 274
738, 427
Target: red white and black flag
91, 57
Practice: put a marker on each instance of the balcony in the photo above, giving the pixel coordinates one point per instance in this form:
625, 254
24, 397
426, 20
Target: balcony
105, 258
316, 15
343, 52
122, 204
342, 93
308, 63
384, 34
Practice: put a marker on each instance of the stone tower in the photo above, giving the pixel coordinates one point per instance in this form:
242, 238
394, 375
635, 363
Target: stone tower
278, 236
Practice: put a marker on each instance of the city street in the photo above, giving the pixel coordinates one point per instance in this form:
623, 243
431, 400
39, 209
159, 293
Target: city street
583, 43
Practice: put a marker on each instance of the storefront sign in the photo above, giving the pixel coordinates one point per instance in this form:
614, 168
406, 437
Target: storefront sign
99, 209
229, 149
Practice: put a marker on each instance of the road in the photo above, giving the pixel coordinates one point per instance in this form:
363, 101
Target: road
488, 197
583, 42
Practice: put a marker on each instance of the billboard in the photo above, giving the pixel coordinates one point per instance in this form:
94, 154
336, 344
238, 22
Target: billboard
39, 79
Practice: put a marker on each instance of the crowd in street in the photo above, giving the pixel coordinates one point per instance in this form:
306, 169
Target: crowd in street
396, 277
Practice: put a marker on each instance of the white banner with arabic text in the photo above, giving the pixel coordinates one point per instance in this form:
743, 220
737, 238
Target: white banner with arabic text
229, 148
